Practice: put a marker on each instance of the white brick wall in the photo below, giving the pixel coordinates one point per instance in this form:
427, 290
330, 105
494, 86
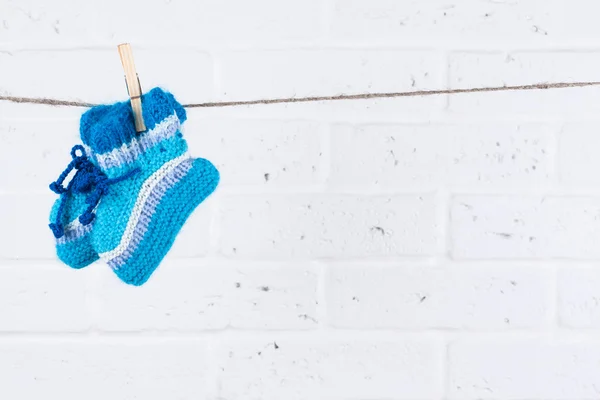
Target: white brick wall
331, 365
523, 368
411, 248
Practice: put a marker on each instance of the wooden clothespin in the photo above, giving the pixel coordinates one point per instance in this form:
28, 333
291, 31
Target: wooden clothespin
133, 85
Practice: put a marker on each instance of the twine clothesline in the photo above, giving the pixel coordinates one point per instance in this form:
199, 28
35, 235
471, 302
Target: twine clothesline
360, 96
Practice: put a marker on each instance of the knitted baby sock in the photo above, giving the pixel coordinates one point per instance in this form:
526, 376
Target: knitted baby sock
73, 242
158, 187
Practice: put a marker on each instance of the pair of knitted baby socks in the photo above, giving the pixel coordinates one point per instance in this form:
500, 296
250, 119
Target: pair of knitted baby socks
131, 192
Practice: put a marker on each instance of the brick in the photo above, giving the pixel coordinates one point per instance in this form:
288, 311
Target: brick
41, 298
66, 74
48, 143
260, 153
469, 22
327, 225
523, 369
578, 298
166, 22
26, 234
401, 156
578, 162
332, 367
521, 68
420, 297
525, 227
251, 74
194, 238
200, 296
150, 369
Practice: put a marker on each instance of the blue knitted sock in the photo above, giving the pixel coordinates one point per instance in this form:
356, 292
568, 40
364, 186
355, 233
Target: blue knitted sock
74, 246
154, 184
73, 241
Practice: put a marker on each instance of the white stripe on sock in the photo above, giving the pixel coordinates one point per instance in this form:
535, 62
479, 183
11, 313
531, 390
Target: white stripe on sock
145, 191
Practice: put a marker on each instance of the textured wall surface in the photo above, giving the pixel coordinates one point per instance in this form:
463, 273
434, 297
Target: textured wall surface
403, 249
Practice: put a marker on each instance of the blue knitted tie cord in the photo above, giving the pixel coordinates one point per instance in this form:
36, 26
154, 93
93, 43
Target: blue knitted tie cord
88, 179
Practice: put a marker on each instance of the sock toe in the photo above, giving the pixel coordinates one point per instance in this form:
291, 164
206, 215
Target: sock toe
154, 235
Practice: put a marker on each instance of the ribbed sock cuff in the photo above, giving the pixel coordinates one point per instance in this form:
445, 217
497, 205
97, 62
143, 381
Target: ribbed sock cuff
109, 136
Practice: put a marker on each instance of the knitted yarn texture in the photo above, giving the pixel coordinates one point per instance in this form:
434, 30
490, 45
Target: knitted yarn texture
148, 185
74, 247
